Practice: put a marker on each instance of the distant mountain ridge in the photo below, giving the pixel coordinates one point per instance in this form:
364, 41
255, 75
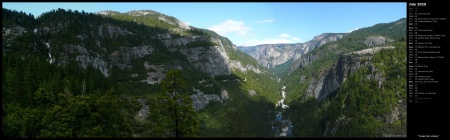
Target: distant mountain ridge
272, 55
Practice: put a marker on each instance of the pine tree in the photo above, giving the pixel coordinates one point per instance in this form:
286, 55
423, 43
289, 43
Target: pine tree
236, 120
174, 110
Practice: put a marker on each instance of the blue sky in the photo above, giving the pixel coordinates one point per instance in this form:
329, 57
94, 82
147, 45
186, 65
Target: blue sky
252, 23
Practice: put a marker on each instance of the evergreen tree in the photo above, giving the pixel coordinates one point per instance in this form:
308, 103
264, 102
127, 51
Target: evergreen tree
237, 121
173, 111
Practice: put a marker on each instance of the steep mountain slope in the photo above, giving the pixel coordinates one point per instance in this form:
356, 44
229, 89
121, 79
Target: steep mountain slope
351, 87
311, 68
76, 74
273, 55
134, 51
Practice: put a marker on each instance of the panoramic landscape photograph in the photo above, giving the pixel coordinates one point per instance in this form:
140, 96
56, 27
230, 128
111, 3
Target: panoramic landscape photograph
204, 70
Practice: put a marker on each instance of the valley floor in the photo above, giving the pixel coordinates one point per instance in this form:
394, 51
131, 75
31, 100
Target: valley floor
282, 127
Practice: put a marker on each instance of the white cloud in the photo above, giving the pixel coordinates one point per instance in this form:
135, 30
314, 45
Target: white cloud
295, 39
265, 21
353, 30
284, 35
230, 26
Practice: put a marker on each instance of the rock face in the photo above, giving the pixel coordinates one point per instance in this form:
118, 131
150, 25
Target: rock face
330, 80
183, 25
107, 12
376, 41
137, 51
345, 66
106, 45
142, 12
155, 73
144, 109
397, 113
98, 59
271, 55
238, 66
308, 59
211, 59
84, 58
112, 31
200, 100
331, 128
251, 92
9, 34
224, 95
15, 31
304, 61
123, 56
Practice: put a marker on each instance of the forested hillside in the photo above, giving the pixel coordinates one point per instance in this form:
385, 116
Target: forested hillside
77, 74
354, 87
144, 74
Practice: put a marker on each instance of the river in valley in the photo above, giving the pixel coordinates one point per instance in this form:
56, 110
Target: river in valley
282, 126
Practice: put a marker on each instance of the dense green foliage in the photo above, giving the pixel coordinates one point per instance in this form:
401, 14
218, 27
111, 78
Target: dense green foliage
359, 108
365, 101
281, 69
240, 116
327, 54
359, 103
173, 109
83, 103
13, 17
42, 100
